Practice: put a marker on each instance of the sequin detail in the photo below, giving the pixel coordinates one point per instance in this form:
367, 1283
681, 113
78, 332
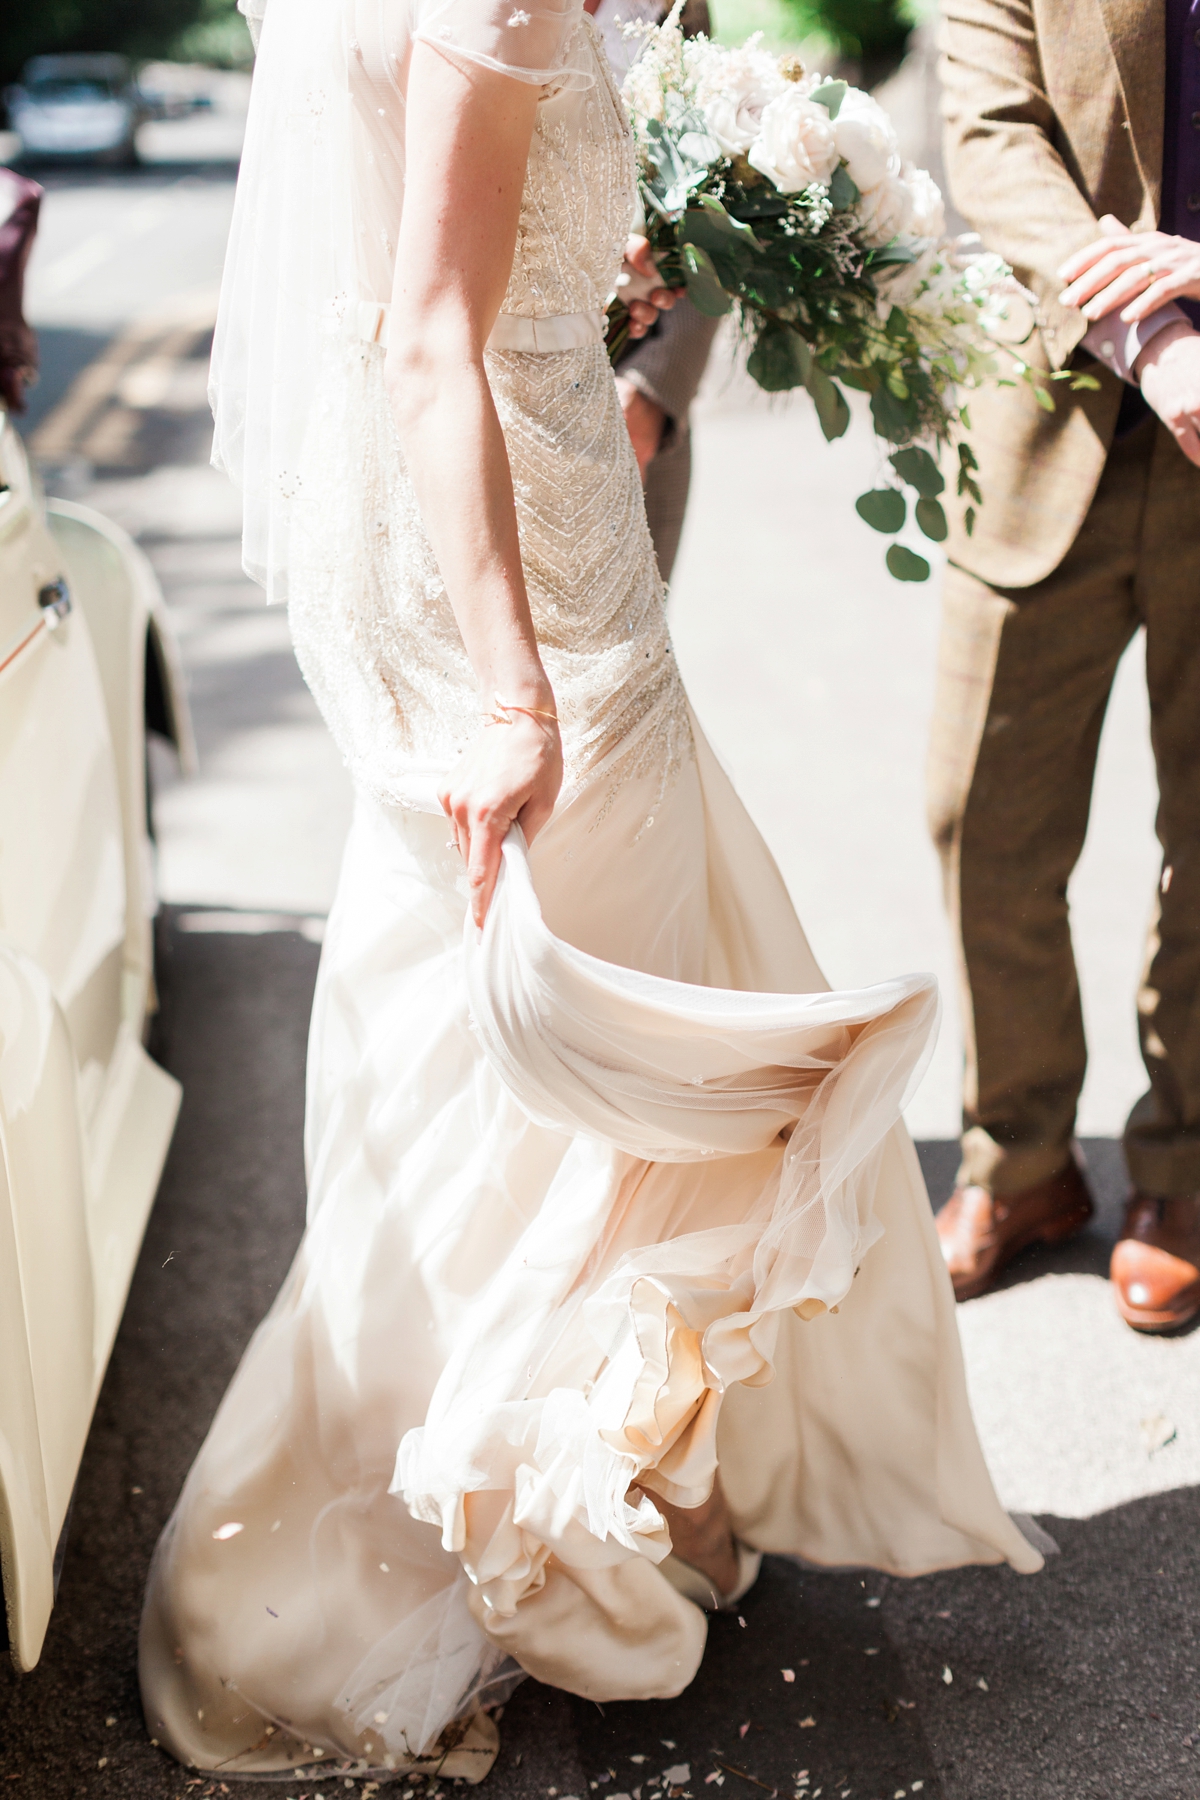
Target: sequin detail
371, 622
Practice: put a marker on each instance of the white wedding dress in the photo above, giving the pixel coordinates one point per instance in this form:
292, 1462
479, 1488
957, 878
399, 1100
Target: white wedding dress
614, 1191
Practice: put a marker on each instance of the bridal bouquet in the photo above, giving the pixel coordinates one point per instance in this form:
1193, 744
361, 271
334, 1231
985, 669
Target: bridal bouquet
782, 194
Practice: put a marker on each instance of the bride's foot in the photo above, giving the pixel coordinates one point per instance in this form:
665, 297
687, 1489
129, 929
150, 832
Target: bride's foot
703, 1536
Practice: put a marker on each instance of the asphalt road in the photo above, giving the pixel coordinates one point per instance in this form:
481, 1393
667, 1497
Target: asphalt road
813, 673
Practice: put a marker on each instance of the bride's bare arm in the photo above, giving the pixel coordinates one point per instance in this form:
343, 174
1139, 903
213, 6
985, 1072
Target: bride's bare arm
468, 134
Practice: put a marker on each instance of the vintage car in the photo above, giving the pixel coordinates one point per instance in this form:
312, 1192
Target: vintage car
87, 664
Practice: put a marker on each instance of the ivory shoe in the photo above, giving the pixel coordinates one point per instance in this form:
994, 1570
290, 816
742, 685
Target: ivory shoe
980, 1232
694, 1585
1155, 1268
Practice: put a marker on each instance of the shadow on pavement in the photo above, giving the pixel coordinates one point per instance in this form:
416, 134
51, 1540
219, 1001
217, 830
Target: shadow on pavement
1074, 1684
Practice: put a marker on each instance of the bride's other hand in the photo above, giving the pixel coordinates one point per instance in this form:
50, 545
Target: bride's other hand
511, 772
467, 136
1138, 271
641, 287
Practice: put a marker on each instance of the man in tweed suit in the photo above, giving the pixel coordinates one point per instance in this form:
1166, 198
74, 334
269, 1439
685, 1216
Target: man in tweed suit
1069, 121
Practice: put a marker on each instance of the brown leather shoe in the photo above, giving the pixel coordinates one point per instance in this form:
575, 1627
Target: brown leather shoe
1155, 1268
980, 1231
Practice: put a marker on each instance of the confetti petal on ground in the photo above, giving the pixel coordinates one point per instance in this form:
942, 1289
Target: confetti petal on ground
947, 1677
788, 1674
807, 1724
1157, 1432
678, 1775
743, 1729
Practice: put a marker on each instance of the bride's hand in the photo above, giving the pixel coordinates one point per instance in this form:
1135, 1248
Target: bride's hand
510, 772
1139, 271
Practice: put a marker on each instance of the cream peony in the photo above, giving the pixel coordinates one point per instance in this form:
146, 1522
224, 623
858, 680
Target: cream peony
928, 208
733, 93
795, 147
884, 211
866, 140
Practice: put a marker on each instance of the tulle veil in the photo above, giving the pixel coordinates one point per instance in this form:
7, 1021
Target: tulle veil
312, 246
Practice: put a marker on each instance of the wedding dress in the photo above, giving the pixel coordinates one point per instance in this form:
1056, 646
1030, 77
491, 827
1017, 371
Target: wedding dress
611, 1192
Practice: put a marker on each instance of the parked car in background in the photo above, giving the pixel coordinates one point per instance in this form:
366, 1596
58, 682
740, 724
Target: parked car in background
87, 666
77, 106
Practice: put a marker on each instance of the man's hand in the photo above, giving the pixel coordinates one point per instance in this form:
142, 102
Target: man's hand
640, 286
1137, 271
1169, 372
645, 422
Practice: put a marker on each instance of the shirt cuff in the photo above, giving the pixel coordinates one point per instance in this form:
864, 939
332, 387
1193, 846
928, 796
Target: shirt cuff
1118, 345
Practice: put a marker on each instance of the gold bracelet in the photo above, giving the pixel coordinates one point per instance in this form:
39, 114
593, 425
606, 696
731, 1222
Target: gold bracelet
504, 706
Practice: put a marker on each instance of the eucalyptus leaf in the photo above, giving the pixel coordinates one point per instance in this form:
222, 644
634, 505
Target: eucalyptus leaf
905, 564
932, 520
780, 360
969, 521
842, 191
718, 220
883, 509
830, 94
704, 289
833, 412
895, 419
699, 148
918, 468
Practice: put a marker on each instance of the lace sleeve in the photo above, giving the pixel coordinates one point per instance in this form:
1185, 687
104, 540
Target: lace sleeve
532, 40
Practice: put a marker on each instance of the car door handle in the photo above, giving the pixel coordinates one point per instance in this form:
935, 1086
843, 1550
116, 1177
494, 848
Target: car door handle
55, 602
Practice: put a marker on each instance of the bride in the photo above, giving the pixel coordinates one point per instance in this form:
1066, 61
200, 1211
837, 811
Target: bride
619, 1268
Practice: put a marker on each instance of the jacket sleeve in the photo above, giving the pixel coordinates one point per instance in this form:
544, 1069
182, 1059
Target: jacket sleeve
669, 362
1005, 169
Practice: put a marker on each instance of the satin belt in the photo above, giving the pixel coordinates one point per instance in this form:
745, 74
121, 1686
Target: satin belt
512, 331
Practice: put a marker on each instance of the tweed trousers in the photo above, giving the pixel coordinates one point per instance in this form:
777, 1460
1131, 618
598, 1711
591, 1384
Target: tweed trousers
1023, 681
668, 365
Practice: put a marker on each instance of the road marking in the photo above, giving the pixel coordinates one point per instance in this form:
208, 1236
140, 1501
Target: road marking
67, 271
95, 420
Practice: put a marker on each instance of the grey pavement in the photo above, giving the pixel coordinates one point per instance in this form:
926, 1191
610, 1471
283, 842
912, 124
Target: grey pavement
812, 672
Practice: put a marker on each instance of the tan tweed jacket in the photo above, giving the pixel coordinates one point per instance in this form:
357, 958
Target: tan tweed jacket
1054, 115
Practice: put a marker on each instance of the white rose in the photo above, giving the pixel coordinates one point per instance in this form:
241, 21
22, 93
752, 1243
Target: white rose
884, 211
928, 209
796, 146
866, 140
733, 94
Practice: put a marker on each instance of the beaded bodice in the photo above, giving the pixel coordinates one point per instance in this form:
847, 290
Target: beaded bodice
371, 620
578, 198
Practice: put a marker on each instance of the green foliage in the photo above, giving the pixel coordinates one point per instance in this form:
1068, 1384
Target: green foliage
883, 509
905, 564
138, 28
866, 28
931, 518
918, 469
779, 360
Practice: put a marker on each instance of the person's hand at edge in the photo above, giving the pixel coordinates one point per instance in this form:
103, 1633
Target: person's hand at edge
1136, 271
644, 299
1169, 372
